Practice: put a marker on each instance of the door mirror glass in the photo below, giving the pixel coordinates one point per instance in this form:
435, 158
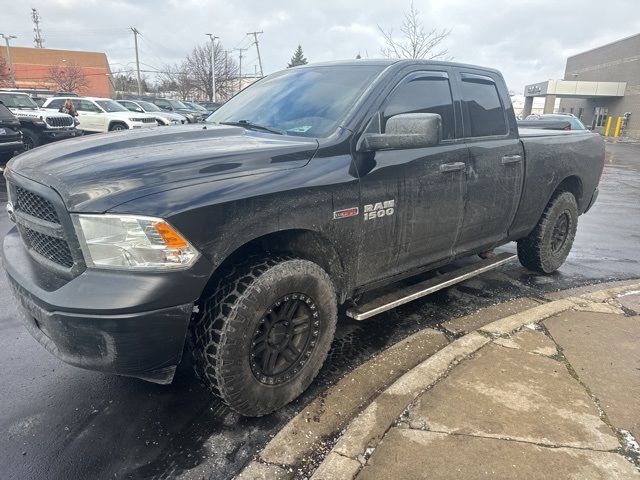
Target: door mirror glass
407, 130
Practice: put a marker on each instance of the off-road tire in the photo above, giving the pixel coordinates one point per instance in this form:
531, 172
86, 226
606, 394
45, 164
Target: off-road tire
536, 251
30, 139
222, 334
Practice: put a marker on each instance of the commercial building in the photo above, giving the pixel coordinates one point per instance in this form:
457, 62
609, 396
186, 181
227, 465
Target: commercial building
599, 83
32, 68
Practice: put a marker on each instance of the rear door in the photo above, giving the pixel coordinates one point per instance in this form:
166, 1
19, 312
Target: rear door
412, 199
496, 160
91, 117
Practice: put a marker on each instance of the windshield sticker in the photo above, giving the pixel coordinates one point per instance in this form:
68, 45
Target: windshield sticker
300, 129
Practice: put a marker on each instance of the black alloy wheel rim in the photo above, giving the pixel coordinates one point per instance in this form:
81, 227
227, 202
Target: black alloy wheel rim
28, 143
284, 339
560, 232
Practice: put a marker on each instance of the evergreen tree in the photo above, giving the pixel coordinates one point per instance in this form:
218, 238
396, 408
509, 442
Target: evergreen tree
298, 58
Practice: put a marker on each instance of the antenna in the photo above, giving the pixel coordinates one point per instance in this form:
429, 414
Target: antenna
38, 41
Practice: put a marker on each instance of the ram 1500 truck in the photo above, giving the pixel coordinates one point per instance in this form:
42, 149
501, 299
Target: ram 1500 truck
236, 240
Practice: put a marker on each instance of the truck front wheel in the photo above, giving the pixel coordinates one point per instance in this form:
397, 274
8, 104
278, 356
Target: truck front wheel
546, 248
262, 336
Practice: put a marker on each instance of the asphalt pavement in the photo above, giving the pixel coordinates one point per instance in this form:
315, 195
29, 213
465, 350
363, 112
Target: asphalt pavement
57, 421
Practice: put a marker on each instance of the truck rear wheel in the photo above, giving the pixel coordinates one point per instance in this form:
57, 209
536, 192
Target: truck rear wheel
546, 248
264, 333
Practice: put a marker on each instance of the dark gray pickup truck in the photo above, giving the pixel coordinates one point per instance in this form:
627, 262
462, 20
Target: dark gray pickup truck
236, 240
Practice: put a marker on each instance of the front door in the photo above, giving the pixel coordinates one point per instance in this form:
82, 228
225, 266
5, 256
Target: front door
496, 166
412, 199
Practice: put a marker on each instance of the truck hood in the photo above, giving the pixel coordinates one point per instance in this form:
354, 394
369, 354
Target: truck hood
36, 113
95, 173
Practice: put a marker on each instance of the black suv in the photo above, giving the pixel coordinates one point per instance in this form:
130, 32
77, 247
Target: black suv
39, 126
10, 134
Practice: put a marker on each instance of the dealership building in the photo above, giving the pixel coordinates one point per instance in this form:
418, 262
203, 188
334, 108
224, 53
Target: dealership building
32, 66
599, 83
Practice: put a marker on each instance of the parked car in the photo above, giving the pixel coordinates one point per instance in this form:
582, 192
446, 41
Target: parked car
103, 114
239, 241
10, 134
204, 113
574, 122
176, 106
211, 106
162, 117
39, 126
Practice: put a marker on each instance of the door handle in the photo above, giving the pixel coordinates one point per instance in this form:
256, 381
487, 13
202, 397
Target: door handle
511, 159
452, 167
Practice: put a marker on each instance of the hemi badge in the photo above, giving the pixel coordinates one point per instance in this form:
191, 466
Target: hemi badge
347, 212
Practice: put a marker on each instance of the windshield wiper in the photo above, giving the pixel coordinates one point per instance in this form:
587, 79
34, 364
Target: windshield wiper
250, 125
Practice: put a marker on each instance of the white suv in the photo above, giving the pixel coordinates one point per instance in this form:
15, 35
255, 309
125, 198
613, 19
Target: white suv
102, 114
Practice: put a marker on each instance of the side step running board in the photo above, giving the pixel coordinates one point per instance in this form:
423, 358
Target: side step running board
400, 297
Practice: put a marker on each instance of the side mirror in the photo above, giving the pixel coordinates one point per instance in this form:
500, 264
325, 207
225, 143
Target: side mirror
404, 131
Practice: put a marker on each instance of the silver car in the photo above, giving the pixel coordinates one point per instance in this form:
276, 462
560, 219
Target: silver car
162, 117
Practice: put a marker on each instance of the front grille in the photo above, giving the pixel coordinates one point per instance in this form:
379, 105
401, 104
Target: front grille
148, 120
36, 206
47, 240
59, 121
51, 248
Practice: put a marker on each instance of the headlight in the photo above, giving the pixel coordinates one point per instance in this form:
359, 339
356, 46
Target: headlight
133, 119
131, 242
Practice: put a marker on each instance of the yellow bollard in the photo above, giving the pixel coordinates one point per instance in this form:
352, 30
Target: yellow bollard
607, 129
618, 127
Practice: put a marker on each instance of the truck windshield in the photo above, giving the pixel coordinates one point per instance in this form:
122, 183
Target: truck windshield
308, 102
12, 100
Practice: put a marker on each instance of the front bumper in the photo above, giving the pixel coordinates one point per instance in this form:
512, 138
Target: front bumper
110, 321
54, 135
12, 146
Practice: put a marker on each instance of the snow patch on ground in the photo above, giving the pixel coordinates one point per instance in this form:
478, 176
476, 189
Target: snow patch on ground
632, 443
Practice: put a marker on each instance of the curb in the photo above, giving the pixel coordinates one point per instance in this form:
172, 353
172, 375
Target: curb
364, 432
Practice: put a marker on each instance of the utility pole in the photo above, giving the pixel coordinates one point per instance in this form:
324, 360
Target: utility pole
12, 74
240, 67
213, 38
38, 41
255, 38
135, 39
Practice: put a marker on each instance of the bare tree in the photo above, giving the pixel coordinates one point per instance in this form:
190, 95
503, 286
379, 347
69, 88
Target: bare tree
416, 41
198, 63
177, 78
68, 78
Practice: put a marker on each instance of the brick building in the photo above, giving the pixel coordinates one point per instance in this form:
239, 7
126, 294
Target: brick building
600, 83
31, 67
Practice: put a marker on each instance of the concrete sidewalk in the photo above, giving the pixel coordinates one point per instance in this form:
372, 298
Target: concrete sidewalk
559, 398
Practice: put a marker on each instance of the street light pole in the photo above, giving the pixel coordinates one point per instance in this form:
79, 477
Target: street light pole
213, 38
12, 74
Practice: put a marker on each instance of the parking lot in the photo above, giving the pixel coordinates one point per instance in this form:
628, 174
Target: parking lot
58, 421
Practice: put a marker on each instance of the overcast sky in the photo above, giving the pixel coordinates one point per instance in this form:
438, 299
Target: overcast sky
528, 40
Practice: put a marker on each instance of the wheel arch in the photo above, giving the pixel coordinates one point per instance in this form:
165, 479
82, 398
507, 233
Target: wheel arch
573, 185
117, 122
300, 243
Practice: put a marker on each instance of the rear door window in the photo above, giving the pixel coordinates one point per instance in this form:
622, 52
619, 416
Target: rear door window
483, 106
